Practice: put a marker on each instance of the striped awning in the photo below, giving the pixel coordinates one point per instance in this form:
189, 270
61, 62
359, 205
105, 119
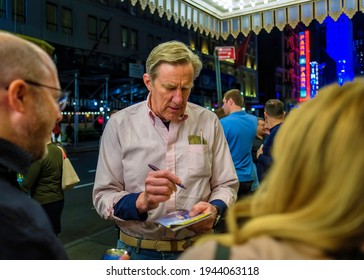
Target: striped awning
197, 17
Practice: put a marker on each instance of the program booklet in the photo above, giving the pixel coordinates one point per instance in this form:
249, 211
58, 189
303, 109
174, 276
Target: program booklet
180, 219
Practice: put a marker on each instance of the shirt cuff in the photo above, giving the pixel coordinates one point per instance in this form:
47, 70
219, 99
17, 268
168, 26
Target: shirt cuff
125, 208
219, 204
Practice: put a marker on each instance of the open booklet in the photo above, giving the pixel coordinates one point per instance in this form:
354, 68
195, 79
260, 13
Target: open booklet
180, 219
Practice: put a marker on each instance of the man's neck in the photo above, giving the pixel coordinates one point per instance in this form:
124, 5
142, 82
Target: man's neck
234, 109
274, 122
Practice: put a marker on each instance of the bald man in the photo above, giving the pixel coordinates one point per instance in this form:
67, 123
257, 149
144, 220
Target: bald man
30, 100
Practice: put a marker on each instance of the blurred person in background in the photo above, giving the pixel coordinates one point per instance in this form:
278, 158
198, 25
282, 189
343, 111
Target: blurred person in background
310, 204
69, 134
57, 133
44, 183
259, 138
258, 142
274, 115
30, 105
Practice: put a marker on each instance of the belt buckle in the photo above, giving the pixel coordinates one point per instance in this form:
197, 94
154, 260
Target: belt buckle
156, 246
169, 245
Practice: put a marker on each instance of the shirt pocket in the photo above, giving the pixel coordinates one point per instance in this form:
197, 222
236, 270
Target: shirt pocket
199, 161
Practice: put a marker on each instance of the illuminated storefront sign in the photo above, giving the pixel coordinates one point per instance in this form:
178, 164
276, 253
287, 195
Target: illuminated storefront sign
304, 62
314, 78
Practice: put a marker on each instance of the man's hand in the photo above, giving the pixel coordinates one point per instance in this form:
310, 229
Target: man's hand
159, 186
260, 151
206, 225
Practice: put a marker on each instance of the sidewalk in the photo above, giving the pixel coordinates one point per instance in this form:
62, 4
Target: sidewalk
83, 146
92, 247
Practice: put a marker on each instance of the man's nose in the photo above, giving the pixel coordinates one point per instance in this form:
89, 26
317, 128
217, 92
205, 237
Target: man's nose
59, 116
178, 96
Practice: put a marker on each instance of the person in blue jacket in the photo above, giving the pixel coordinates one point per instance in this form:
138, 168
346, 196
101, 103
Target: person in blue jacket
240, 130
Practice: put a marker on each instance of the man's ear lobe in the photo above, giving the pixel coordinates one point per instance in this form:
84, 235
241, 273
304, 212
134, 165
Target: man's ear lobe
147, 81
17, 92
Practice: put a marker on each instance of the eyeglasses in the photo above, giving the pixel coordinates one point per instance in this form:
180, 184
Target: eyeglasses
63, 98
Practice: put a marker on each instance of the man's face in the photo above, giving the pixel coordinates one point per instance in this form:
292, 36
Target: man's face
261, 127
170, 90
43, 116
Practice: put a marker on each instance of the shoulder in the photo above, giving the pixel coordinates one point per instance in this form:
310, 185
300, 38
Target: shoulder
135, 108
225, 120
26, 210
203, 251
268, 248
252, 118
196, 112
129, 114
26, 232
53, 149
257, 248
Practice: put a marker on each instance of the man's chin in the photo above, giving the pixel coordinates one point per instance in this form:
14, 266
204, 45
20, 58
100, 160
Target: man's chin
174, 117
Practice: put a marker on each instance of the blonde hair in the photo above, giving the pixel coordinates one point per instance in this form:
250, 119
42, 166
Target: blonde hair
172, 52
314, 190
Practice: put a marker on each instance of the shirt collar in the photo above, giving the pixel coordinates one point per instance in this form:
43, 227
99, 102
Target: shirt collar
153, 116
13, 158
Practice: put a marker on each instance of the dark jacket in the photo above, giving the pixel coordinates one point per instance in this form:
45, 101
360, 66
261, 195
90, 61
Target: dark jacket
44, 177
25, 231
265, 159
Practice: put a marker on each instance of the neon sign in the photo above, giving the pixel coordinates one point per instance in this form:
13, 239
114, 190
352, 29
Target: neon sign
314, 78
304, 65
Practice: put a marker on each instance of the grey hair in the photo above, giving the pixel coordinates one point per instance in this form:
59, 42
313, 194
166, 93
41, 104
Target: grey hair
172, 52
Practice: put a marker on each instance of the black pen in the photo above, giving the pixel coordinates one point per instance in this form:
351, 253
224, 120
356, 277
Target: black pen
155, 168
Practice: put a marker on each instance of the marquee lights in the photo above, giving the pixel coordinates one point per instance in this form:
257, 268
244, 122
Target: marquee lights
229, 5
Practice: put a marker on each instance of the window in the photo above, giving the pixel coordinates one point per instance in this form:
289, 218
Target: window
124, 37
2, 8
51, 16
150, 43
134, 39
104, 24
18, 10
92, 27
67, 23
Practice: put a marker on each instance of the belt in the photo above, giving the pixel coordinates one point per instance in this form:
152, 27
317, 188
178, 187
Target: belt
158, 245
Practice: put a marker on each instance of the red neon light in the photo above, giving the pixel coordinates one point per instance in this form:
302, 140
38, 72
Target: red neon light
304, 44
308, 66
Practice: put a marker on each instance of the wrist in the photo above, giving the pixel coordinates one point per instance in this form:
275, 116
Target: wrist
217, 217
140, 205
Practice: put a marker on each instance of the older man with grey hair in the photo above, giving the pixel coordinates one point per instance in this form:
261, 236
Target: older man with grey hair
185, 141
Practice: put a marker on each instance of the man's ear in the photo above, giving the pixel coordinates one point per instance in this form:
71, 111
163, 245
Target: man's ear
17, 93
147, 81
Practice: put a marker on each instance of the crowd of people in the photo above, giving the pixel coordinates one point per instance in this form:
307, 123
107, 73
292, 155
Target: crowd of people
288, 187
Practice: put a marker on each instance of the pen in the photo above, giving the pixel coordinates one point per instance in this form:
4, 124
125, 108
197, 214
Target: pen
155, 168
